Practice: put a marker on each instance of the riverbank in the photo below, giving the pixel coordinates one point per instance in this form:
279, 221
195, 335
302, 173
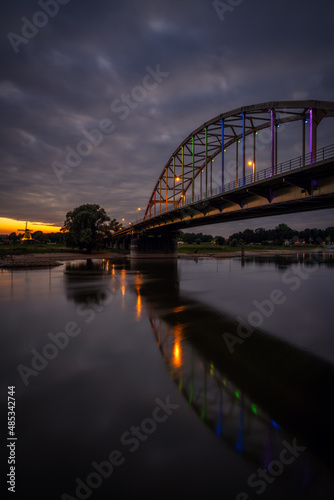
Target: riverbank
41, 260
32, 261
256, 253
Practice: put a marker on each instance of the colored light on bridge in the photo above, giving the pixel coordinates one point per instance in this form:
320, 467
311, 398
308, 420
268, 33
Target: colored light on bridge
177, 178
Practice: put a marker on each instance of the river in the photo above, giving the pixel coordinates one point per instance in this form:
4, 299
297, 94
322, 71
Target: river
193, 378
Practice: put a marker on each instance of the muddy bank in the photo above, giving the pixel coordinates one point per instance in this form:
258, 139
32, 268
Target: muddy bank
32, 261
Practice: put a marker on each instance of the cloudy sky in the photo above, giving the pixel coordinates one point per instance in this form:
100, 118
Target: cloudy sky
181, 62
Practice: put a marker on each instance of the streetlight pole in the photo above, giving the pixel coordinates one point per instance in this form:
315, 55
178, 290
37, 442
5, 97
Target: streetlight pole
252, 164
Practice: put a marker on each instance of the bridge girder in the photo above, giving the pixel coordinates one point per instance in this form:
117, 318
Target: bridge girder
190, 165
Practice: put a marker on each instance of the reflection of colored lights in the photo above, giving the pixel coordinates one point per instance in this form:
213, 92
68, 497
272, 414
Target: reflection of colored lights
123, 290
237, 394
212, 369
275, 424
113, 270
138, 306
254, 409
179, 309
177, 354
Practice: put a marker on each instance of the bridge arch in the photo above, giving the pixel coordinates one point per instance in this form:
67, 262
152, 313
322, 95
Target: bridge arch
191, 164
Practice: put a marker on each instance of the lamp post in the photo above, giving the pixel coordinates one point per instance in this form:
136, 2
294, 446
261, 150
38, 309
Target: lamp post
138, 210
252, 164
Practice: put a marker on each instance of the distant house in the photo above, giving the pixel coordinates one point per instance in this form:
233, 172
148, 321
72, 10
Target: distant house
295, 240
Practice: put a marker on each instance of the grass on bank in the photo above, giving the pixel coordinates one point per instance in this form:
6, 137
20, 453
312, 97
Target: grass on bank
205, 248
26, 249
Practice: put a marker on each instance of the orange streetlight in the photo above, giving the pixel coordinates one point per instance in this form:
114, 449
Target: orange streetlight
252, 164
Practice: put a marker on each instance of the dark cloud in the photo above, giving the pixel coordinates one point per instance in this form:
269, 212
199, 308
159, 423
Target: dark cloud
90, 54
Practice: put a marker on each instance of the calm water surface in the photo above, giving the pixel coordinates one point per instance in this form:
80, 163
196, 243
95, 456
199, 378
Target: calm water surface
182, 379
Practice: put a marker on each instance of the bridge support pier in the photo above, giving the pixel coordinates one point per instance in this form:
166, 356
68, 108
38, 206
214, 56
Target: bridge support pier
153, 247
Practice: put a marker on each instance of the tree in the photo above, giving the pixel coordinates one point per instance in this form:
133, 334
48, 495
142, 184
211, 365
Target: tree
13, 237
220, 240
38, 235
84, 227
109, 229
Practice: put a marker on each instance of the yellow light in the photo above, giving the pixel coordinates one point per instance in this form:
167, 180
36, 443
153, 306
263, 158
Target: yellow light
177, 347
177, 354
138, 306
250, 163
177, 178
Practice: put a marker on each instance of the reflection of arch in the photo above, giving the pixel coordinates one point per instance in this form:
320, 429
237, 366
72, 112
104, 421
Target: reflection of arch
229, 412
266, 380
192, 160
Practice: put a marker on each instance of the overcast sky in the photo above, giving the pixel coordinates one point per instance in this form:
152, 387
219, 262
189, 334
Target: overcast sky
71, 73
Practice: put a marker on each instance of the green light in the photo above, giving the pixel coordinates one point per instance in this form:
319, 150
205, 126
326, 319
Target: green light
254, 409
237, 395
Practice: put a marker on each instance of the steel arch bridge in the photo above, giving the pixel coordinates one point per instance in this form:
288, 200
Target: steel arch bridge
191, 164
227, 169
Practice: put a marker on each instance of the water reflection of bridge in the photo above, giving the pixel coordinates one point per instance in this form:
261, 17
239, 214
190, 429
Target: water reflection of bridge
266, 392
218, 401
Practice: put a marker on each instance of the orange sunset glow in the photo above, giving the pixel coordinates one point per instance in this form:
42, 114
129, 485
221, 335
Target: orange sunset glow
8, 226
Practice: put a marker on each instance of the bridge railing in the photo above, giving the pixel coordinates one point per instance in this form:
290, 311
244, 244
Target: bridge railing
267, 173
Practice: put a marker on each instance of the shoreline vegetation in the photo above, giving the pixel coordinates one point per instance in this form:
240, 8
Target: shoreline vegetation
31, 257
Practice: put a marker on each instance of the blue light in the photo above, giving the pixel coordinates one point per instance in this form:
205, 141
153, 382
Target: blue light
306, 121
275, 424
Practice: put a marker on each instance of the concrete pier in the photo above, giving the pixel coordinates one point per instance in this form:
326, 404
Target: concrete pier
150, 247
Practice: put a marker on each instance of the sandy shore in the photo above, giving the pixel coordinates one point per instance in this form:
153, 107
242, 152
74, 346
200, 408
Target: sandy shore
33, 261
